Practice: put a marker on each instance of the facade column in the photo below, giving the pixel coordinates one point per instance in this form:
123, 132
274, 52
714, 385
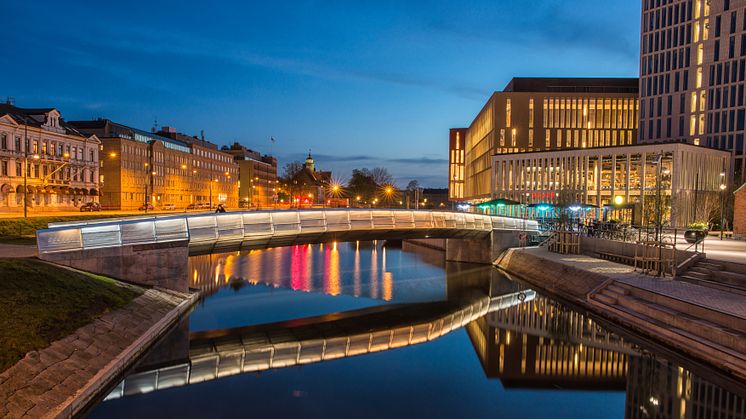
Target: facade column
627, 179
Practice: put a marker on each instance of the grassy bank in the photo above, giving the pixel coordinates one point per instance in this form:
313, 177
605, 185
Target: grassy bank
40, 303
22, 231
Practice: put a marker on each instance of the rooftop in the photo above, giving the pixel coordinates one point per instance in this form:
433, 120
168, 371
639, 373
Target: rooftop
35, 117
573, 85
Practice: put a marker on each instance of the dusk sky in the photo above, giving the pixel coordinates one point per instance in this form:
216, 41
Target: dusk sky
360, 83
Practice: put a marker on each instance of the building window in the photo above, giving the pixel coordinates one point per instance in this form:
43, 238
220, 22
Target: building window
4, 168
507, 112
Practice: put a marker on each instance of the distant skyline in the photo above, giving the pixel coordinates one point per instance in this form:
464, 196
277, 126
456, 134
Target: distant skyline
361, 84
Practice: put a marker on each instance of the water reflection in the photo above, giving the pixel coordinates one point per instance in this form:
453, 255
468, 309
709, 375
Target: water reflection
360, 269
526, 342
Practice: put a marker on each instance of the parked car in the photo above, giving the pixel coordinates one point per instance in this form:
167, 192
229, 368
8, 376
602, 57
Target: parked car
143, 207
169, 207
90, 206
194, 205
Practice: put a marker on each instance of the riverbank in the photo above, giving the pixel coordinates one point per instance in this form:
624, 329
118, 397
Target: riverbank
64, 377
705, 323
41, 303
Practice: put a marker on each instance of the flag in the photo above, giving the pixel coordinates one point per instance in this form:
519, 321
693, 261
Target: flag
272, 139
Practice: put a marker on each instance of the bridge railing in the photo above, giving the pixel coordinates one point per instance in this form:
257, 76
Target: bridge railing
232, 227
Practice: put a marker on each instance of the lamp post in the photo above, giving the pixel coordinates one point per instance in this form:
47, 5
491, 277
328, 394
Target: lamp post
723, 186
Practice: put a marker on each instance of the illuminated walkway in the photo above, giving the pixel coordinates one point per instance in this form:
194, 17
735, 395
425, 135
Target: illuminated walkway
221, 353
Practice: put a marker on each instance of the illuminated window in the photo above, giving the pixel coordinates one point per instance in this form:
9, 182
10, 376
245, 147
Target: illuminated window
512, 137
701, 124
548, 139
507, 112
530, 113
530, 138
693, 103
692, 125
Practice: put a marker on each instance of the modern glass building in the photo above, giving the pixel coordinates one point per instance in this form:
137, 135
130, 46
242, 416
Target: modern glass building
536, 114
689, 178
692, 75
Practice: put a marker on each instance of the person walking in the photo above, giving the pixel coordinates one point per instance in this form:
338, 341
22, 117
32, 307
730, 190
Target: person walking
220, 208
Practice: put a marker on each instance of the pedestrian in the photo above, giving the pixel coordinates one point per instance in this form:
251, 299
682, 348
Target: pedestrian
220, 208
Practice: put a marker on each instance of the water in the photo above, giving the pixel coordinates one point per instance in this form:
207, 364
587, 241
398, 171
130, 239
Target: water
530, 356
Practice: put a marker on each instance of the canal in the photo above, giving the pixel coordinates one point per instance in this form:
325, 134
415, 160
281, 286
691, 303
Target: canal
523, 355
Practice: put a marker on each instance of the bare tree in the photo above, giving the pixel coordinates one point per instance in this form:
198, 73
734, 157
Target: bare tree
381, 176
291, 169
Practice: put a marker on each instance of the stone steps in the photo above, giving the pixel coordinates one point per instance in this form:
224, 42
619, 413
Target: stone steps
708, 330
729, 358
714, 275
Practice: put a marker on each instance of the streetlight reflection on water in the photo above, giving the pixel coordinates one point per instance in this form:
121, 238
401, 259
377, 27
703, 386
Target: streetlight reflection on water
308, 268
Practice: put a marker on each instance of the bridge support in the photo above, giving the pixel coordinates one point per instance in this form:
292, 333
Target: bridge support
481, 250
162, 265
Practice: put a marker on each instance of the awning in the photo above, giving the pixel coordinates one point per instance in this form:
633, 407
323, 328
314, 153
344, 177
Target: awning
93, 192
6, 188
542, 207
49, 189
499, 202
40, 189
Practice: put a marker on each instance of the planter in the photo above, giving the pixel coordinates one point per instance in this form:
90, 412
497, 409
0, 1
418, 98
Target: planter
695, 236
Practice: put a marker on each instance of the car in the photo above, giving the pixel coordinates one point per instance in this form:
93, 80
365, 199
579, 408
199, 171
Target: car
90, 206
168, 207
143, 207
193, 205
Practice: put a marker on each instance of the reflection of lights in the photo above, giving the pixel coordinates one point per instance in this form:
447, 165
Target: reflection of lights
574, 208
654, 401
388, 286
463, 207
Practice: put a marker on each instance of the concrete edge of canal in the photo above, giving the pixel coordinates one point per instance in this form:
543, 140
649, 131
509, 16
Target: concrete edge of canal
643, 304
63, 379
117, 366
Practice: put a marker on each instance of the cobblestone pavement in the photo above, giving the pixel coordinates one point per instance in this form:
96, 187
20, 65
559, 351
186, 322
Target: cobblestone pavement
72, 370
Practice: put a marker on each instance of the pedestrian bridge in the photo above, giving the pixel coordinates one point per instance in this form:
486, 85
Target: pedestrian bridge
222, 353
153, 249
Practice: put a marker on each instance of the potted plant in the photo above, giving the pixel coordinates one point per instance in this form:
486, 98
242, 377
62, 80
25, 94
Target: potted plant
695, 232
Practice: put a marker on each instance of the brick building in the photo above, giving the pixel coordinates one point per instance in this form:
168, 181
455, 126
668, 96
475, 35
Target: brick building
161, 168
739, 213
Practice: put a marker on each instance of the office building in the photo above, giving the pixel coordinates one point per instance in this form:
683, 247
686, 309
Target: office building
61, 162
537, 114
692, 75
257, 173
689, 178
162, 169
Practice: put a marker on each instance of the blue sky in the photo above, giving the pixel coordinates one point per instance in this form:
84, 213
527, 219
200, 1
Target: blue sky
360, 83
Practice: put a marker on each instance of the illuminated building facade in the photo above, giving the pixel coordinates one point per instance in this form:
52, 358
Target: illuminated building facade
61, 163
608, 176
456, 139
257, 176
692, 75
536, 114
161, 168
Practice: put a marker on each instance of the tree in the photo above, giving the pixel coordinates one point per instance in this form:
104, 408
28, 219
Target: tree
291, 169
362, 184
413, 185
381, 176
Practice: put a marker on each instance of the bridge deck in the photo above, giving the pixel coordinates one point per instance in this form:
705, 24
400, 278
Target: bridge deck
260, 229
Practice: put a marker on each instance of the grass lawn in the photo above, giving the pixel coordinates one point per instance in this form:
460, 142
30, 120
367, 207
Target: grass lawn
23, 231
41, 303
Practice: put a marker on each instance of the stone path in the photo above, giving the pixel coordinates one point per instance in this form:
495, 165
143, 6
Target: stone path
62, 378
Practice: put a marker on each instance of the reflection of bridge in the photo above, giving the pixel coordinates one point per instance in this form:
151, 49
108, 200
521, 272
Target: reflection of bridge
154, 249
221, 353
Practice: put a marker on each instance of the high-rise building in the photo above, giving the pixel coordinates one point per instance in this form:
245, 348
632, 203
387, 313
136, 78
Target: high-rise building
538, 114
257, 176
164, 169
61, 163
692, 75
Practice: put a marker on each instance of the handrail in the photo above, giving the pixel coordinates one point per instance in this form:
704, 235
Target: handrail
244, 226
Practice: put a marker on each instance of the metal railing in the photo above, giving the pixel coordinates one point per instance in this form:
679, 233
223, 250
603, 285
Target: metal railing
269, 227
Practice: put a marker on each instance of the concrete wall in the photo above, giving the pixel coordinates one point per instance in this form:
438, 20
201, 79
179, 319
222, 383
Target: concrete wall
161, 265
484, 251
563, 280
739, 214
592, 245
